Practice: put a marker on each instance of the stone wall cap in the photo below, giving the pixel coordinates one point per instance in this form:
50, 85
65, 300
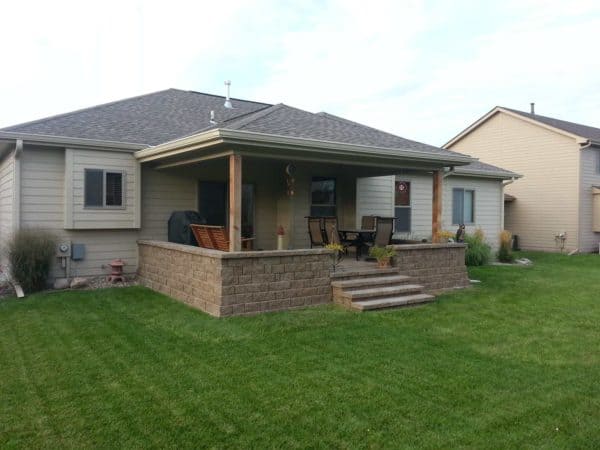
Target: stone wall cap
401, 247
233, 255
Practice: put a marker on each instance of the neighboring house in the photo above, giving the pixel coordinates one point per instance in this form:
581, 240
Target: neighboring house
106, 177
560, 164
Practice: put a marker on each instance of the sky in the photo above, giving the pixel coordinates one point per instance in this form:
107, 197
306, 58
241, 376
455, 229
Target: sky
423, 70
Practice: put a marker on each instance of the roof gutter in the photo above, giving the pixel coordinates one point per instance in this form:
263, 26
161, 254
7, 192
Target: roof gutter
487, 174
227, 136
62, 141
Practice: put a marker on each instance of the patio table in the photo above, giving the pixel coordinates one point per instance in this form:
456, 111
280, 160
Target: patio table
361, 236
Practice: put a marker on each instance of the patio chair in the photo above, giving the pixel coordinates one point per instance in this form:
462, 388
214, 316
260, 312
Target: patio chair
367, 222
384, 228
214, 237
330, 227
315, 231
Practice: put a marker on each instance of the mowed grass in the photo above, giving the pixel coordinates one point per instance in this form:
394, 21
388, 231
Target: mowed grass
511, 363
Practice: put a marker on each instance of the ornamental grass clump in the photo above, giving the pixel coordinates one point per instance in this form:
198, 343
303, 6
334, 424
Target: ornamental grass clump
478, 252
505, 253
30, 254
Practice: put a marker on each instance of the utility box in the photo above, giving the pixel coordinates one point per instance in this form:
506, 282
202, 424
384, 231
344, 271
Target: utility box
596, 209
77, 252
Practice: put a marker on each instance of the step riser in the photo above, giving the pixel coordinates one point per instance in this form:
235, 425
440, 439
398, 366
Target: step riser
397, 302
376, 292
371, 282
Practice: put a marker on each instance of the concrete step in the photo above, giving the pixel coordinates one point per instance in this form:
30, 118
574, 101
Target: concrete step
370, 281
388, 291
363, 273
392, 302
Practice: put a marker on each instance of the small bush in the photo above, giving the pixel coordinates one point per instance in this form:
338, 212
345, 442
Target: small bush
505, 253
478, 252
30, 254
382, 252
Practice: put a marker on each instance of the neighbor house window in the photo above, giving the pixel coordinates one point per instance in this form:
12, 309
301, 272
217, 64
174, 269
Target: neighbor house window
598, 161
463, 206
103, 188
402, 207
323, 197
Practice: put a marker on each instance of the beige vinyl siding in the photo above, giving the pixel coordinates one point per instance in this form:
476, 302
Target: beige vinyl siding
162, 193
374, 197
489, 203
7, 177
101, 218
546, 197
42, 192
588, 239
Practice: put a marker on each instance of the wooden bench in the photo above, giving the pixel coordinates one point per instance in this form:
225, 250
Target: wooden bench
215, 237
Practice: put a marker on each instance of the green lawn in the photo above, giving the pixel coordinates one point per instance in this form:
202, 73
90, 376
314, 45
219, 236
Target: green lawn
511, 363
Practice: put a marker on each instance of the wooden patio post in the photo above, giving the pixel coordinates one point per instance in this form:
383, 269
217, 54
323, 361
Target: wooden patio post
436, 216
235, 203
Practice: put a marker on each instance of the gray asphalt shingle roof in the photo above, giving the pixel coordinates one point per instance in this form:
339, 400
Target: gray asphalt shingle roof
584, 131
163, 116
148, 119
481, 167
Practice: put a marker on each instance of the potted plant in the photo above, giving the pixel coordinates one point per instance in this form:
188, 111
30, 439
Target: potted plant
383, 255
337, 253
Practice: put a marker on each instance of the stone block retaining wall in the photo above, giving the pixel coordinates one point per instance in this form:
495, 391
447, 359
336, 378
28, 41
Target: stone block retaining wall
437, 267
235, 283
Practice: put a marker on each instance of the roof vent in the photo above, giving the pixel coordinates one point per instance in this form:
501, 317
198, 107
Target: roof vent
228, 104
532, 107
212, 118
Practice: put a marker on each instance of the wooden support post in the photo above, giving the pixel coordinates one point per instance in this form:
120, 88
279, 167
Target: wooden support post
235, 203
438, 193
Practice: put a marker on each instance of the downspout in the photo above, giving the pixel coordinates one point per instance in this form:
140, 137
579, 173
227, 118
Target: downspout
17, 185
504, 184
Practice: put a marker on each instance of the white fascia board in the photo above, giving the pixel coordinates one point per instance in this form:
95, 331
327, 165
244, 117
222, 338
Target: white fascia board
227, 136
62, 141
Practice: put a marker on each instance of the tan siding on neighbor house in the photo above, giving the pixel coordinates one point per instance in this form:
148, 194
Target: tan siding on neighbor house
590, 176
7, 177
546, 197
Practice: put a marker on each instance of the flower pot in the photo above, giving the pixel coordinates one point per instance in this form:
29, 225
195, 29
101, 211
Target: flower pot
382, 263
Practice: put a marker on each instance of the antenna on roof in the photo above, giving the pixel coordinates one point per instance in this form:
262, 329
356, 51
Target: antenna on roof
532, 107
227, 99
212, 117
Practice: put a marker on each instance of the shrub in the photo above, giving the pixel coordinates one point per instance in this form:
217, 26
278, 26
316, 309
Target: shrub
445, 235
478, 252
382, 252
30, 253
505, 253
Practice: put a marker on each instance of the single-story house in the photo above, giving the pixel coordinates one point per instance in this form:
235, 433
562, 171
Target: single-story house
106, 179
559, 195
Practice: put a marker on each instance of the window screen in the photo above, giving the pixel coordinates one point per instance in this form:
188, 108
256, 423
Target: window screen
114, 189
463, 206
93, 182
323, 197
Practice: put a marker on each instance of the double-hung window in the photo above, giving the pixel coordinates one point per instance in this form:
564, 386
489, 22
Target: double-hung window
463, 206
103, 188
323, 197
402, 207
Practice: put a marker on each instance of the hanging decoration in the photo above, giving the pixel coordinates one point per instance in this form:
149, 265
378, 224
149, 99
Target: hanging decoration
290, 170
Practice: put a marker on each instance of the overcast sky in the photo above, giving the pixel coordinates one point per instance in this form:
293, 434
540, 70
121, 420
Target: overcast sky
423, 70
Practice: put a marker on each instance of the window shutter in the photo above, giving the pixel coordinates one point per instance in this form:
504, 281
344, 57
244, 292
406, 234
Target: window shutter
93, 187
469, 208
457, 206
114, 189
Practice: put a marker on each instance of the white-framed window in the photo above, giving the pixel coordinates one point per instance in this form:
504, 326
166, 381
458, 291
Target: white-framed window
104, 188
463, 206
402, 207
323, 197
